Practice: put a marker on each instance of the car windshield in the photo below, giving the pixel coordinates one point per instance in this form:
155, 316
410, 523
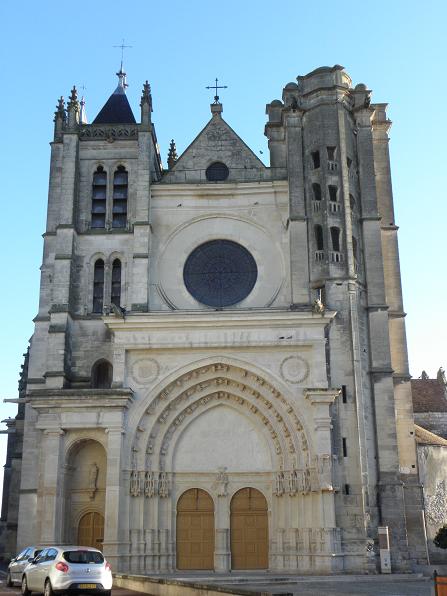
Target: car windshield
83, 556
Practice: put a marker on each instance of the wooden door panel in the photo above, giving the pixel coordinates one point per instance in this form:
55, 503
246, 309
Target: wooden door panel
195, 531
249, 530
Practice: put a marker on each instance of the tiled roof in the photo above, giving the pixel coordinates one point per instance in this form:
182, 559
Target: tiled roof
425, 437
428, 395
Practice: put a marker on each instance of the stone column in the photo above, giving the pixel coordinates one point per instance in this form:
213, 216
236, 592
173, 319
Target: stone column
222, 551
51, 495
114, 539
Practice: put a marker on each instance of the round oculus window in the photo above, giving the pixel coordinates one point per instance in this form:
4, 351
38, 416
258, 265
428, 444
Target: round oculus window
217, 172
220, 273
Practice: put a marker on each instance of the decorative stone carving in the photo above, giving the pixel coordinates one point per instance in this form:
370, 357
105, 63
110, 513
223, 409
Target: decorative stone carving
145, 370
89, 131
163, 489
135, 485
221, 483
149, 484
279, 484
294, 369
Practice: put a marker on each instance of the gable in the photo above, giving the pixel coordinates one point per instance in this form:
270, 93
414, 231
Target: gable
217, 142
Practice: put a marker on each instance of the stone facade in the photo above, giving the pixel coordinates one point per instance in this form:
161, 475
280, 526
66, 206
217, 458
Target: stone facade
300, 390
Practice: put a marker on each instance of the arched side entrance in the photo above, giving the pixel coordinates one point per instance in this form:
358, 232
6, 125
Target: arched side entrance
249, 530
195, 530
91, 530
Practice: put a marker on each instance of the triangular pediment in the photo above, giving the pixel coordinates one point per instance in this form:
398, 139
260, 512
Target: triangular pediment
217, 142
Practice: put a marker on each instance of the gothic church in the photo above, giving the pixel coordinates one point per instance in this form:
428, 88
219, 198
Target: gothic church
218, 377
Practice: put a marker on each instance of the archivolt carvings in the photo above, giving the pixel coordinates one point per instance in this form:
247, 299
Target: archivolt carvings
196, 389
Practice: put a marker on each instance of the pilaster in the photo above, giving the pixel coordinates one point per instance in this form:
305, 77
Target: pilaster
114, 539
51, 493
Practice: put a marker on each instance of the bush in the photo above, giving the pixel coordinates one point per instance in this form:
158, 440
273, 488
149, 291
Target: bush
440, 540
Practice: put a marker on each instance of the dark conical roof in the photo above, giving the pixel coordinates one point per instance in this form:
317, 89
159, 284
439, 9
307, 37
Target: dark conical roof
117, 109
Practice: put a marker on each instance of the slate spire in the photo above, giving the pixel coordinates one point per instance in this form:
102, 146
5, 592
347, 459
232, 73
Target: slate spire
117, 109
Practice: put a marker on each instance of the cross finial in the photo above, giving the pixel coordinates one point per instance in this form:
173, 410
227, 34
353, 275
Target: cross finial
216, 87
123, 47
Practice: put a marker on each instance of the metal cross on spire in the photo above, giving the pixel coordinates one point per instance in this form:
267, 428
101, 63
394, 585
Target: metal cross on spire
216, 87
123, 47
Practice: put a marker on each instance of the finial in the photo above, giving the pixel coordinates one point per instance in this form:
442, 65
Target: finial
73, 96
146, 96
60, 109
172, 155
122, 83
73, 108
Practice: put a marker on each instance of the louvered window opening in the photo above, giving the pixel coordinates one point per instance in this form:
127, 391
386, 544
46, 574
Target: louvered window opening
119, 211
99, 198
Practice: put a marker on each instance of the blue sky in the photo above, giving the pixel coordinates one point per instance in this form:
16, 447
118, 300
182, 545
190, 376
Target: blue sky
397, 48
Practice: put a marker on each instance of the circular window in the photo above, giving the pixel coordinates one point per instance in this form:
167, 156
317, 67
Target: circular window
217, 172
220, 273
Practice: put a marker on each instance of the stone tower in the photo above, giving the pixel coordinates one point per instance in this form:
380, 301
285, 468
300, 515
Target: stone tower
223, 343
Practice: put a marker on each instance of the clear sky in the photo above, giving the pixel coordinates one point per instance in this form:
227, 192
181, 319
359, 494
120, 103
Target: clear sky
396, 47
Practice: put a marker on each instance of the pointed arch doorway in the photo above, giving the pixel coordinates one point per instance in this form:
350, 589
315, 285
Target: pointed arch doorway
195, 530
249, 530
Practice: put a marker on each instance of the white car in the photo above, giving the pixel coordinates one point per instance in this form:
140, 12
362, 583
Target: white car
68, 568
19, 562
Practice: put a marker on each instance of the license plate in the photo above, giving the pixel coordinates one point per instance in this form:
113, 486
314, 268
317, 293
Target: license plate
87, 586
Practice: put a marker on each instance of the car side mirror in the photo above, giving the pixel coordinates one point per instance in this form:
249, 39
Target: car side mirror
31, 560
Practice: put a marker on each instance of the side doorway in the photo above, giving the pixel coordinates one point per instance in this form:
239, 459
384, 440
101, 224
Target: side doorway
91, 530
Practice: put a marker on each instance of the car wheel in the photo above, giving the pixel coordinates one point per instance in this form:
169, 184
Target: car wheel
25, 591
8, 580
48, 589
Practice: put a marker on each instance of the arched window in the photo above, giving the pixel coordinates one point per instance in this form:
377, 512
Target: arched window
319, 237
355, 249
119, 210
98, 286
335, 238
217, 172
99, 198
316, 189
332, 192
102, 375
116, 283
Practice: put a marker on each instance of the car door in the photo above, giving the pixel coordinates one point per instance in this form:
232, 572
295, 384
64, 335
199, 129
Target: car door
44, 567
17, 565
32, 572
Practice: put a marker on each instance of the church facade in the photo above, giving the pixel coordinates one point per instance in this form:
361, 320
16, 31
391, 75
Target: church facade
218, 376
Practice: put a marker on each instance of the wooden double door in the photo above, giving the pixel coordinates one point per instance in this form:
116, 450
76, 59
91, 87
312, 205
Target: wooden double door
195, 530
91, 530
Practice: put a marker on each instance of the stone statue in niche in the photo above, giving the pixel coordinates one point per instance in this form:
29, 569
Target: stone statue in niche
279, 484
149, 484
93, 480
221, 482
293, 482
163, 489
134, 483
